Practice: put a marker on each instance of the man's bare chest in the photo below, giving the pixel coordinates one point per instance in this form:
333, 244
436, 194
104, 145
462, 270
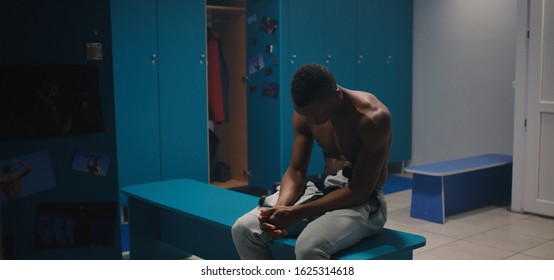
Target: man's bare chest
339, 143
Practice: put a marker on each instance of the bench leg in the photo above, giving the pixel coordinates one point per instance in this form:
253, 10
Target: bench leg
144, 233
428, 198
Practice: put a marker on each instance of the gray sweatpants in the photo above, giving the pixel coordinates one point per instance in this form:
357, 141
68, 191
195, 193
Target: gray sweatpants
318, 237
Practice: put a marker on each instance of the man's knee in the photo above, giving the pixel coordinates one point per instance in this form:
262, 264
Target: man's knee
310, 248
238, 228
244, 226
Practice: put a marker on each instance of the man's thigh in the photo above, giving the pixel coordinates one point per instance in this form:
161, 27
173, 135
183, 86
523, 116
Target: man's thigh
342, 228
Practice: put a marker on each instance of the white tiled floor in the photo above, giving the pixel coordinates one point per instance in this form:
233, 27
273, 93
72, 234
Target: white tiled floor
491, 232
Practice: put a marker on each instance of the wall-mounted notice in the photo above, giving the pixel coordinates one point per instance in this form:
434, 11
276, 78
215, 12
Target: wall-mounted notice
25, 175
91, 162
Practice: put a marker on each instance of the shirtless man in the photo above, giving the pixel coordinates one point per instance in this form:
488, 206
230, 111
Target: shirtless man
354, 130
93, 164
10, 183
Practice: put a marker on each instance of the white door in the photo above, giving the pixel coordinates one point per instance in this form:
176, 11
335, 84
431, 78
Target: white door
539, 156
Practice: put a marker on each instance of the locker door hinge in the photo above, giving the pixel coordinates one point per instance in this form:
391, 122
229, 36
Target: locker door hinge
527, 38
247, 172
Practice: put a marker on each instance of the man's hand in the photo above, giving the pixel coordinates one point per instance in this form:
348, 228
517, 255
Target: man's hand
275, 221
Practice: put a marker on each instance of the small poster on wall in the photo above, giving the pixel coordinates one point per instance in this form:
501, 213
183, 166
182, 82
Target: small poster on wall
255, 64
252, 18
70, 225
49, 101
270, 90
25, 175
91, 162
268, 25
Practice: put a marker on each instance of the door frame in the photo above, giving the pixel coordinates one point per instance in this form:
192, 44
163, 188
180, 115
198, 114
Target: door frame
520, 108
529, 77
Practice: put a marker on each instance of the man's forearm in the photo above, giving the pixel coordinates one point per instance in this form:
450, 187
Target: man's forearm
289, 193
342, 198
292, 188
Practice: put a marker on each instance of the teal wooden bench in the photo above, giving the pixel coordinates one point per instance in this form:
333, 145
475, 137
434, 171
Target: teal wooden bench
176, 218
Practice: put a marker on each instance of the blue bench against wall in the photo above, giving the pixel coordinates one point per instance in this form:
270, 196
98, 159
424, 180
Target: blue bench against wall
449, 187
176, 218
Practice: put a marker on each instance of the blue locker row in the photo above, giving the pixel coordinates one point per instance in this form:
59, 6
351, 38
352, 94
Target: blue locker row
368, 47
160, 80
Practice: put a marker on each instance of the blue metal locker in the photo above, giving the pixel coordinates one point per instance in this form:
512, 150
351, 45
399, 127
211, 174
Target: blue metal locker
371, 47
160, 90
307, 40
135, 47
263, 112
182, 76
399, 76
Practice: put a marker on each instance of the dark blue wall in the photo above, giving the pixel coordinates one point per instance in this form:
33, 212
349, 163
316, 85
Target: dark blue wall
38, 32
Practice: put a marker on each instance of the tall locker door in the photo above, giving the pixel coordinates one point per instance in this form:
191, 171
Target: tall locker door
340, 44
263, 112
182, 78
306, 40
136, 90
399, 76
371, 43
324, 32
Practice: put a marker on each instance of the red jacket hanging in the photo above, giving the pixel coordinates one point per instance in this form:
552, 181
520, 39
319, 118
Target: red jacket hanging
215, 90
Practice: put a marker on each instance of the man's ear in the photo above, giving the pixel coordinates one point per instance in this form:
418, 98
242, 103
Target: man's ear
338, 93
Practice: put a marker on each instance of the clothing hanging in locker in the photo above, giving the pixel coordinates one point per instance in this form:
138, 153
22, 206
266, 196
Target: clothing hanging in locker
217, 80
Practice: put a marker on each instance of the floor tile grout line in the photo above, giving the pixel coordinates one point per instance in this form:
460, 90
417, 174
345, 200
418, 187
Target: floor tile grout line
535, 247
456, 240
522, 235
503, 249
473, 244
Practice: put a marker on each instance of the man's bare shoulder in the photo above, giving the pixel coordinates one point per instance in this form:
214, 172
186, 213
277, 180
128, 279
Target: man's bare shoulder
299, 124
371, 107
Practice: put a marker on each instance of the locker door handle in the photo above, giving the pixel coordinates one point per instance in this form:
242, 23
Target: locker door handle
328, 59
154, 58
293, 59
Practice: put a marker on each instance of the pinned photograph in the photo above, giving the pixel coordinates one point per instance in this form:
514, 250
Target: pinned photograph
268, 25
25, 175
91, 162
255, 64
252, 18
270, 90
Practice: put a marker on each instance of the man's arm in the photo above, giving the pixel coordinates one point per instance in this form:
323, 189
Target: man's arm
292, 183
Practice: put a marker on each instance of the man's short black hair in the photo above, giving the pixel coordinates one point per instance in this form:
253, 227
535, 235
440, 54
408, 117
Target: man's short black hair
310, 82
